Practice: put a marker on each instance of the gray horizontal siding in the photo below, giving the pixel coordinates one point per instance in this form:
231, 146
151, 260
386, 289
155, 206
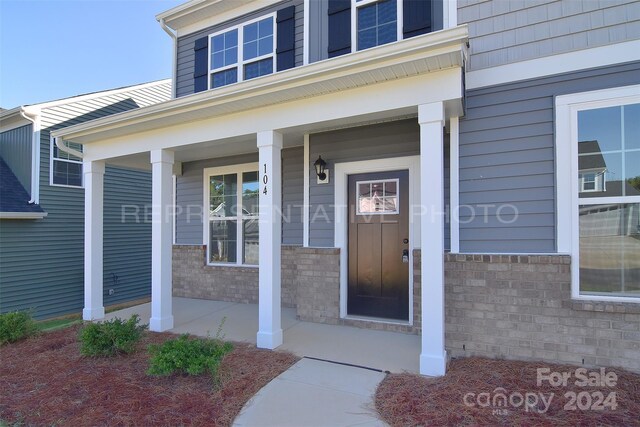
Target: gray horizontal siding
185, 57
41, 262
503, 32
15, 149
292, 195
189, 196
507, 157
393, 139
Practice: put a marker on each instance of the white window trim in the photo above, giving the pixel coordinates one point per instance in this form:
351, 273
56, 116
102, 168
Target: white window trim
226, 170
241, 62
599, 181
567, 220
355, 4
395, 212
341, 174
51, 161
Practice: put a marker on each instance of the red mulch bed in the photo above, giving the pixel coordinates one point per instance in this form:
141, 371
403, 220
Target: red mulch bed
413, 400
45, 381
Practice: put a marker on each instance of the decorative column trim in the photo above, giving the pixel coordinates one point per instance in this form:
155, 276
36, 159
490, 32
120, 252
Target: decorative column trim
433, 357
306, 197
161, 240
93, 239
454, 183
269, 276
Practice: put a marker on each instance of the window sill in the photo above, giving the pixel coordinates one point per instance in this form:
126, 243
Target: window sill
232, 265
604, 306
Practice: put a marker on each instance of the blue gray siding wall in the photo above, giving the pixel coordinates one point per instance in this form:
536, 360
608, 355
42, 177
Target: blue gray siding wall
507, 158
292, 195
503, 32
185, 63
41, 261
189, 194
15, 149
380, 141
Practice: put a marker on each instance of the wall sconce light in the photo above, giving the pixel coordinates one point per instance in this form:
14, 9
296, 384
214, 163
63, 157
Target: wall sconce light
321, 171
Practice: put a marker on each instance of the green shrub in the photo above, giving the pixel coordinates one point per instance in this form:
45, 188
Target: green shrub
16, 326
190, 356
111, 337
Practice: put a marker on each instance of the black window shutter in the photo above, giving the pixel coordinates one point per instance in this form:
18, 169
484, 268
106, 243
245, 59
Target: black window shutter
200, 71
286, 33
417, 17
339, 27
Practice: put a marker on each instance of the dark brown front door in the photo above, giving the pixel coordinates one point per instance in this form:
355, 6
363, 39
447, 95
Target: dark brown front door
379, 245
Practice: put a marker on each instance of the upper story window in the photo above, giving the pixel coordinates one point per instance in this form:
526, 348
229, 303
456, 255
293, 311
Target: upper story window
355, 25
241, 53
377, 22
66, 169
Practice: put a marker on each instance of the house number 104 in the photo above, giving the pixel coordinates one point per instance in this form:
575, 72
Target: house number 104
265, 180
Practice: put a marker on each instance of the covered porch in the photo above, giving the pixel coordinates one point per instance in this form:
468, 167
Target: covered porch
418, 81
387, 351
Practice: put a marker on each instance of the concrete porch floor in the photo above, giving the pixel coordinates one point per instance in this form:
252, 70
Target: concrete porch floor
388, 351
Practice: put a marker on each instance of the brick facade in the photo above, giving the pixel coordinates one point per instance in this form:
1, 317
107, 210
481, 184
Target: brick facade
499, 306
520, 307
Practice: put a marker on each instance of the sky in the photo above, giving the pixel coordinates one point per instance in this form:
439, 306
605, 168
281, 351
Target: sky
52, 49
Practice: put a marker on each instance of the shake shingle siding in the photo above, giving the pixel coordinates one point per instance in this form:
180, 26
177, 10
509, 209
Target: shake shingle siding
507, 158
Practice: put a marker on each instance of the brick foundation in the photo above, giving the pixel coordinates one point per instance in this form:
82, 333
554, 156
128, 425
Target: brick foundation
520, 307
512, 307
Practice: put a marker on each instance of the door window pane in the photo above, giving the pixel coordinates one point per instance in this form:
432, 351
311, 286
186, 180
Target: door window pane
610, 249
379, 197
222, 242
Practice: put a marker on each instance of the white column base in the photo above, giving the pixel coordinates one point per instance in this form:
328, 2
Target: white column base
93, 313
161, 324
433, 365
269, 340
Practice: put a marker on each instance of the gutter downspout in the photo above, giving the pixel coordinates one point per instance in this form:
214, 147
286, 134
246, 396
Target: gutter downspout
174, 66
63, 147
34, 118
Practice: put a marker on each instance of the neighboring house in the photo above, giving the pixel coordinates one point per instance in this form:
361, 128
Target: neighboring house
42, 207
450, 204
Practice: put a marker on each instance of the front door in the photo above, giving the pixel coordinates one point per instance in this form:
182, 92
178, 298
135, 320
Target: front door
378, 253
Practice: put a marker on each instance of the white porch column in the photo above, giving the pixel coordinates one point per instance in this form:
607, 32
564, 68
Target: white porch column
433, 358
269, 328
93, 229
161, 240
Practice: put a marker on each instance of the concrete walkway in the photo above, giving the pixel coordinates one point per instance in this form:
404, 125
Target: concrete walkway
315, 393
387, 351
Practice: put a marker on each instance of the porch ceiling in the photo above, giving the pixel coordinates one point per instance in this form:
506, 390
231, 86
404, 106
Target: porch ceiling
425, 54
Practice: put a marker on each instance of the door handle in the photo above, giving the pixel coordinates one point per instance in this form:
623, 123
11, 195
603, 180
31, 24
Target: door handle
405, 256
